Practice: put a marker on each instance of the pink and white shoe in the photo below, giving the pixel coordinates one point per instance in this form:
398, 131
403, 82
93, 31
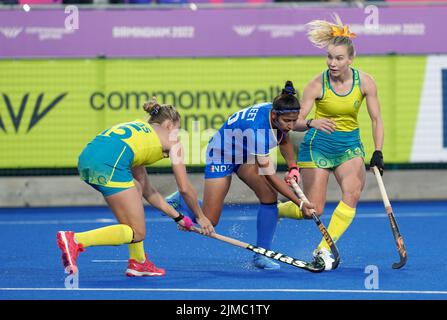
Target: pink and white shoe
70, 250
143, 269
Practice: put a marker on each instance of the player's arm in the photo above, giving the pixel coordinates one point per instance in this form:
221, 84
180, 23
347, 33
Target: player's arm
311, 93
186, 189
266, 167
369, 89
373, 105
152, 196
286, 149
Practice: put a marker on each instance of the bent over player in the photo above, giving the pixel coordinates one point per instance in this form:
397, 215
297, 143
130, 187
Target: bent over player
114, 164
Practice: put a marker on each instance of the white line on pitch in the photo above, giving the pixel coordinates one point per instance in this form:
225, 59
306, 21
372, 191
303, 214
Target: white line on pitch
240, 218
233, 290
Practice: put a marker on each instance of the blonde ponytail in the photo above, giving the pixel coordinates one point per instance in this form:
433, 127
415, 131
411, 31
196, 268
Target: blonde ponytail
323, 33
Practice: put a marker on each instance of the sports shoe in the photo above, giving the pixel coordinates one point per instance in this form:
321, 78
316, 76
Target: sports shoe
70, 250
142, 269
326, 256
174, 200
179, 204
265, 263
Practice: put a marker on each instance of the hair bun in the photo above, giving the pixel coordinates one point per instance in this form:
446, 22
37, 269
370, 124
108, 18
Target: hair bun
154, 110
288, 88
152, 107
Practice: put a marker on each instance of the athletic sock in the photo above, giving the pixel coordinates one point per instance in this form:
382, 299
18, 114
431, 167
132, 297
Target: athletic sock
266, 224
107, 236
289, 210
136, 251
340, 221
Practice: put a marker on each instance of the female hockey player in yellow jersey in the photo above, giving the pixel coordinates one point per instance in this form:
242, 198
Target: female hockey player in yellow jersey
333, 143
114, 164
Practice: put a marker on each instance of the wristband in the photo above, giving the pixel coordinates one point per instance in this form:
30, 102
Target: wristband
180, 217
301, 205
308, 123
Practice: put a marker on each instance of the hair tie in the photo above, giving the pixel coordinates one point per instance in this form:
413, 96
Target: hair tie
289, 90
342, 32
154, 110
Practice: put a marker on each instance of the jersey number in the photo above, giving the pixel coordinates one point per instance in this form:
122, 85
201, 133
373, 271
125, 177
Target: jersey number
125, 131
248, 114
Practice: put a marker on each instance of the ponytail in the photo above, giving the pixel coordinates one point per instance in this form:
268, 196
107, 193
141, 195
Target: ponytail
323, 33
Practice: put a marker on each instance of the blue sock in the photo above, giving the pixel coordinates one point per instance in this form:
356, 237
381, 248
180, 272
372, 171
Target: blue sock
266, 224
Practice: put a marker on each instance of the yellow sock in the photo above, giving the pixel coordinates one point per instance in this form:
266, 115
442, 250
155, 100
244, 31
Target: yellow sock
136, 251
340, 221
108, 236
289, 210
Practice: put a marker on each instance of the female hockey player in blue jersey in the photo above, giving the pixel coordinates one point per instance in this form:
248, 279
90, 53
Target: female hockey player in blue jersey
242, 146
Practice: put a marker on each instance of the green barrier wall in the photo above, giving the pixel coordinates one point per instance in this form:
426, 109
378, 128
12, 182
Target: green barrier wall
49, 109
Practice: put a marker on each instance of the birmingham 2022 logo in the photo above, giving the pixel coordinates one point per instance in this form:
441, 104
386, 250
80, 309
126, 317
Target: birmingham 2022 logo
41, 106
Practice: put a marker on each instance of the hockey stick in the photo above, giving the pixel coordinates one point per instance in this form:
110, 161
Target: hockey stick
315, 266
394, 228
320, 225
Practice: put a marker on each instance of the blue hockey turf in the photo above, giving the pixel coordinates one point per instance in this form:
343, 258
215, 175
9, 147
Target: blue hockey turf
202, 268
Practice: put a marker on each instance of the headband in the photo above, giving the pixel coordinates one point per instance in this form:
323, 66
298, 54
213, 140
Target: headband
286, 111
